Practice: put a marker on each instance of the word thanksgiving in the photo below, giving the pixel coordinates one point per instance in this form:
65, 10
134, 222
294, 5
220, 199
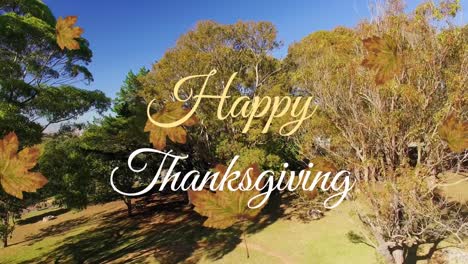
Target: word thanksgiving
291, 111
265, 183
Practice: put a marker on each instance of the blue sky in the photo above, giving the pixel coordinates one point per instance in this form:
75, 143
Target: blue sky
128, 34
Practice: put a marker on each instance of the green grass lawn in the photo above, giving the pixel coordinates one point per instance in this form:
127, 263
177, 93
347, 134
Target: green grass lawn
173, 233
323, 241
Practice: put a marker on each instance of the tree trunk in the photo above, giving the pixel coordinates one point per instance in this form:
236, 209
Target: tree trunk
5, 235
128, 203
384, 247
384, 251
187, 198
412, 255
398, 255
5, 240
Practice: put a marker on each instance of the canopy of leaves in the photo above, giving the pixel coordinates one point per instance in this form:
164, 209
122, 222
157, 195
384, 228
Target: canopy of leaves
34, 71
29, 7
381, 121
30, 42
76, 177
244, 47
62, 103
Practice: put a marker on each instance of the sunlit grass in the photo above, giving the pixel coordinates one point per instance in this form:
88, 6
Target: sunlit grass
85, 237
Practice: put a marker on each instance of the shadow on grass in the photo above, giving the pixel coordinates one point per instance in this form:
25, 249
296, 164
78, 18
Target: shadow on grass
57, 229
168, 231
37, 218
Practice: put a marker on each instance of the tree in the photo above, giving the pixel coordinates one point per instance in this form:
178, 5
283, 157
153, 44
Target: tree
242, 47
73, 173
113, 138
34, 79
9, 212
384, 89
35, 70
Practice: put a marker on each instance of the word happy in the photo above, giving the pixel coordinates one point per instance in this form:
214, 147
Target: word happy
248, 108
341, 183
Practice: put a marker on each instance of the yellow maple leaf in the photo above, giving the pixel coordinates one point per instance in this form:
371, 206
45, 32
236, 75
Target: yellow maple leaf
15, 177
171, 112
455, 133
226, 208
67, 33
382, 56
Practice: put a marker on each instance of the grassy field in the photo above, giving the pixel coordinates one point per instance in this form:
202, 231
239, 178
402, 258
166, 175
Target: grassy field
168, 231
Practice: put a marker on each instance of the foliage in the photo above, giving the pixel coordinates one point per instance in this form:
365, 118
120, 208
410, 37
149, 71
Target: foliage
70, 183
383, 107
406, 214
113, 138
35, 93
34, 71
242, 47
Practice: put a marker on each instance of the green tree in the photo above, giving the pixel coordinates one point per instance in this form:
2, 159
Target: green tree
73, 173
10, 211
242, 47
35, 72
114, 137
35, 76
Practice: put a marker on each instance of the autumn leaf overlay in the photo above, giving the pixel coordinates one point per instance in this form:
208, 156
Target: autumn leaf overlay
227, 208
382, 56
171, 112
67, 33
455, 133
15, 176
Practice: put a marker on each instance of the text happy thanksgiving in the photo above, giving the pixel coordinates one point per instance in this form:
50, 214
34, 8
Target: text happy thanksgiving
339, 184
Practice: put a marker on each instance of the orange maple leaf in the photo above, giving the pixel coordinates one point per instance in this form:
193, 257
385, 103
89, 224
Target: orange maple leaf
455, 133
171, 112
226, 208
15, 177
383, 57
67, 33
